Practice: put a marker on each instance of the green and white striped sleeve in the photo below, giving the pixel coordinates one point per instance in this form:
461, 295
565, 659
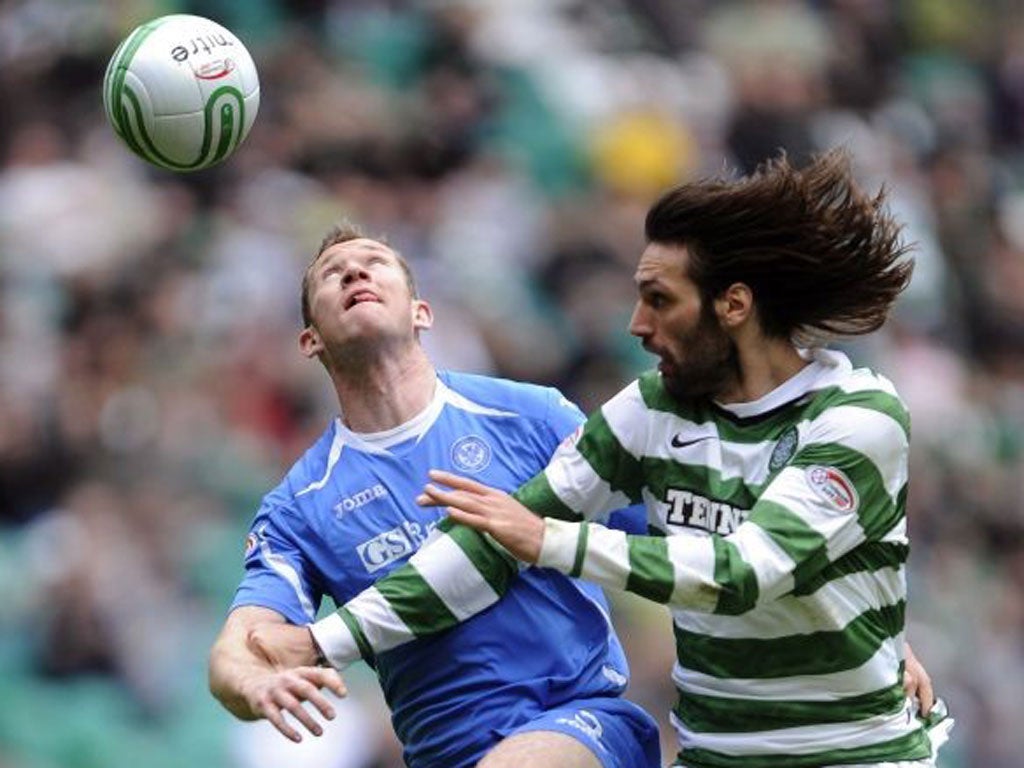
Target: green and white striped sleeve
462, 572
451, 578
598, 472
845, 486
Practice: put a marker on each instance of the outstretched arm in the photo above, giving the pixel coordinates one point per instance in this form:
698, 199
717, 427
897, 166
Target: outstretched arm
452, 577
252, 686
461, 572
842, 489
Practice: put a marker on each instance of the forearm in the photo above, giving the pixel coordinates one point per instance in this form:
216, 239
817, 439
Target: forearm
448, 581
696, 573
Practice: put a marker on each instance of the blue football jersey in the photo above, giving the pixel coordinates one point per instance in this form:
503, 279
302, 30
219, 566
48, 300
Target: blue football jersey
345, 515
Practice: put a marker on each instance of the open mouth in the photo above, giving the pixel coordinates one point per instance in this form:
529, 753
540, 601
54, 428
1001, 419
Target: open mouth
361, 297
666, 366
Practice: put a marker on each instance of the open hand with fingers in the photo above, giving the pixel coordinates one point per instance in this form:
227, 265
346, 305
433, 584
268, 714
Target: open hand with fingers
272, 693
488, 510
291, 679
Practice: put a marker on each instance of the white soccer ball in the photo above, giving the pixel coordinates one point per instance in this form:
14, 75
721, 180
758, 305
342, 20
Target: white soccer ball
182, 92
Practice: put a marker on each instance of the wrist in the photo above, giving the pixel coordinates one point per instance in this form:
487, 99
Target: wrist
560, 546
335, 640
320, 659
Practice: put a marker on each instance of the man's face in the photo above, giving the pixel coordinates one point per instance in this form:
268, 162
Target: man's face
698, 358
359, 294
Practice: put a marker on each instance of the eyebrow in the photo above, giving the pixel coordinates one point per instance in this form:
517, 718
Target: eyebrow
647, 282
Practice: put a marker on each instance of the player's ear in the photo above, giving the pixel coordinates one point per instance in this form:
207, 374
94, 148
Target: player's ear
422, 315
734, 305
310, 343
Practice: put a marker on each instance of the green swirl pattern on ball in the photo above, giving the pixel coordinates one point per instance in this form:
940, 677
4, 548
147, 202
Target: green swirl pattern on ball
223, 113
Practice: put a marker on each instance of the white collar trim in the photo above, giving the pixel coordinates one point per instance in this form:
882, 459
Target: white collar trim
824, 364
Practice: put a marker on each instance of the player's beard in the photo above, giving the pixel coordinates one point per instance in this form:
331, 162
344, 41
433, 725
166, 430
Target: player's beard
709, 363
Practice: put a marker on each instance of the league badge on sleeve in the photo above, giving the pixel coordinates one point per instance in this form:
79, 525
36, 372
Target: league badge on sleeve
833, 486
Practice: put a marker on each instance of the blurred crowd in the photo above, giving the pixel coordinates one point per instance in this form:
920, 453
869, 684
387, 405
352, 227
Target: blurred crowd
150, 384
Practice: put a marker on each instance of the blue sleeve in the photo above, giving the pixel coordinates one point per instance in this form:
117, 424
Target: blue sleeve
278, 575
565, 417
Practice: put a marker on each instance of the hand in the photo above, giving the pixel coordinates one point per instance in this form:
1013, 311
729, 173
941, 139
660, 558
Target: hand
284, 646
269, 694
916, 681
488, 510
295, 678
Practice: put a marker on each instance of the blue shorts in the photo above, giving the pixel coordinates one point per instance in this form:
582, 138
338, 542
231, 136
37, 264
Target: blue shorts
617, 731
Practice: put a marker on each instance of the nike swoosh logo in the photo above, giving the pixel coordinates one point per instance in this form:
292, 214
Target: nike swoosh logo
679, 442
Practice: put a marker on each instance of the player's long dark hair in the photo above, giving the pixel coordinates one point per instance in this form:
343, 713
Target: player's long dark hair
821, 257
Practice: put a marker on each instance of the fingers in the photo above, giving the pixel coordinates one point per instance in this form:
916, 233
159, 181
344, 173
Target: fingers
430, 496
288, 694
465, 494
330, 678
458, 481
310, 691
276, 718
433, 496
293, 705
280, 700
469, 519
925, 694
916, 681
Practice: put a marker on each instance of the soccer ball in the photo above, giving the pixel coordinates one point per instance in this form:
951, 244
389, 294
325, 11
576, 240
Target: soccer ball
182, 92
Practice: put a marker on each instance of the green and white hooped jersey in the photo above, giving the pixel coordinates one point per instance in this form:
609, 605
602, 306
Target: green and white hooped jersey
778, 537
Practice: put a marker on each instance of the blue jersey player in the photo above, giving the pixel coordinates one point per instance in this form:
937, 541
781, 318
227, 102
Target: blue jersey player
538, 678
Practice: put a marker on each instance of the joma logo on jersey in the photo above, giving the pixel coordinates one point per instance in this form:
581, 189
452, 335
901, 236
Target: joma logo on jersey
359, 499
389, 546
689, 510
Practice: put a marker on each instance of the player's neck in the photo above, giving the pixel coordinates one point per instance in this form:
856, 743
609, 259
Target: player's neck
764, 365
386, 392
